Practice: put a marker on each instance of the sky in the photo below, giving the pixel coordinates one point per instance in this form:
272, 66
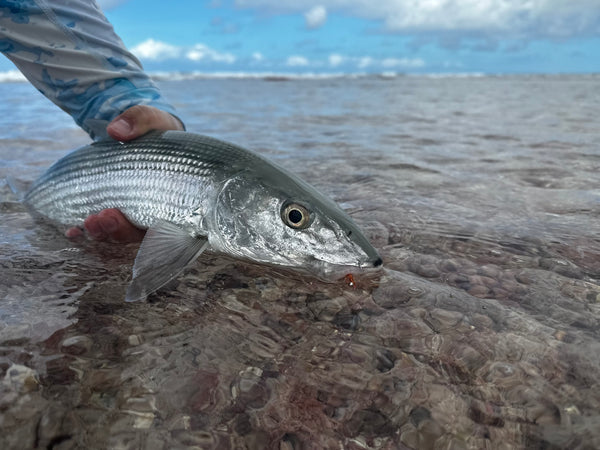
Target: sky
361, 36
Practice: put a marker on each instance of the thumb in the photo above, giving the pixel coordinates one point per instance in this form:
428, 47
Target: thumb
140, 119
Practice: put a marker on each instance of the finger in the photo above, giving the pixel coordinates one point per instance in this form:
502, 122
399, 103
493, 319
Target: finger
140, 119
74, 232
111, 224
93, 228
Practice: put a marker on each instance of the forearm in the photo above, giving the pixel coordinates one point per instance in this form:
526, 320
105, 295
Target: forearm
70, 52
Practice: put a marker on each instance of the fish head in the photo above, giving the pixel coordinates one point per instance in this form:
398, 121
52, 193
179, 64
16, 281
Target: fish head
284, 221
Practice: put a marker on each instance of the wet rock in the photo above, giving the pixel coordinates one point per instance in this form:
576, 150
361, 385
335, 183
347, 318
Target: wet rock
370, 423
22, 437
200, 439
560, 335
441, 319
385, 360
561, 267
242, 425
134, 340
459, 280
392, 295
21, 405
76, 345
424, 266
449, 265
103, 380
179, 422
264, 345
524, 277
349, 322
461, 363
418, 415
200, 391
504, 374
487, 281
20, 379
544, 413
486, 413
428, 271
397, 329
291, 441
256, 439
229, 280
489, 271
480, 321
377, 233
56, 427
62, 442
479, 291
327, 309
250, 389
422, 431
511, 287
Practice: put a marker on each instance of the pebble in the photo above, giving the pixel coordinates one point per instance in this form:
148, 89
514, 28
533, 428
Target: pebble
76, 345
134, 340
21, 379
479, 291
560, 335
428, 271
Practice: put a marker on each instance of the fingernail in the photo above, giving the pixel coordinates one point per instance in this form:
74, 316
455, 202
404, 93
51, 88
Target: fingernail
121, 127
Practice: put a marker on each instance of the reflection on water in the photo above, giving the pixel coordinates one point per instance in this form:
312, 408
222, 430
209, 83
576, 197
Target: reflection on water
481, 331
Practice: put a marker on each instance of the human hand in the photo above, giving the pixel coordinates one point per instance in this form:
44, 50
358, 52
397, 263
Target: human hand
108, 225
111, 224
140, 119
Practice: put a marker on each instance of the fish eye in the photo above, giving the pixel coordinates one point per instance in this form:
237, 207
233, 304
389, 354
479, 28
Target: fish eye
295, 216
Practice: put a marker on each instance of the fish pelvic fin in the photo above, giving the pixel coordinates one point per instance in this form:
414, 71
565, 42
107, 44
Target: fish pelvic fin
166, 250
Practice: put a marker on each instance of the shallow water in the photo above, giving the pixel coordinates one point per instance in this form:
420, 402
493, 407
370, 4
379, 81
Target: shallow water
482, 330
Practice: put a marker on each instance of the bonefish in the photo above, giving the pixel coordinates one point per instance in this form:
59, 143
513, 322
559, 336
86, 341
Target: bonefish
192, 192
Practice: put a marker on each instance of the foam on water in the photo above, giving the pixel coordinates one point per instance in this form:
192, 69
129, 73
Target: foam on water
482, 331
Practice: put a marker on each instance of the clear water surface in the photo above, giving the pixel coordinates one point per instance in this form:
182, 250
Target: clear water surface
482, 330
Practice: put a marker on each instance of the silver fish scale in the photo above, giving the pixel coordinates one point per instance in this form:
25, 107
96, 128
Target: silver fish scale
159, 176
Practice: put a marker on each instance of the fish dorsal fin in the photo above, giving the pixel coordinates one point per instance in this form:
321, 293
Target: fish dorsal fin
165, 251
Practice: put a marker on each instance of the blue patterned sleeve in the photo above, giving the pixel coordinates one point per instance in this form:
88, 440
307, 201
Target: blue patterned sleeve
69, 51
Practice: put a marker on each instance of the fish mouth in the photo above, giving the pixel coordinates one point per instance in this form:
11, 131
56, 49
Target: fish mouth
327, 270
372, 263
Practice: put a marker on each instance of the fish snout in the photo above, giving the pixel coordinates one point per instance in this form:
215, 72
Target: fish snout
372, 262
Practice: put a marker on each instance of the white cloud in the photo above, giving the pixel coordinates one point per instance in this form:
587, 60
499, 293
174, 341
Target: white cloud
506, 18
297, 61
365, 62
155, 50
316, 17
335, 60
402, 63
201, 52
159, 51
257, 56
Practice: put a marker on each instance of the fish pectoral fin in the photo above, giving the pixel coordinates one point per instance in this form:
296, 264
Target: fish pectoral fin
166, 250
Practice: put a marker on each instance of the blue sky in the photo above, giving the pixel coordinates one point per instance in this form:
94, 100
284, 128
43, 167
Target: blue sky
373, 36
431, 36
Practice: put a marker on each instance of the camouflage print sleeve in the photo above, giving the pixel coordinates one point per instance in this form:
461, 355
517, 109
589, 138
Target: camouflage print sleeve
69, 51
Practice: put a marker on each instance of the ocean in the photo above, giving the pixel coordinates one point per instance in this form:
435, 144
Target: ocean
482, 330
